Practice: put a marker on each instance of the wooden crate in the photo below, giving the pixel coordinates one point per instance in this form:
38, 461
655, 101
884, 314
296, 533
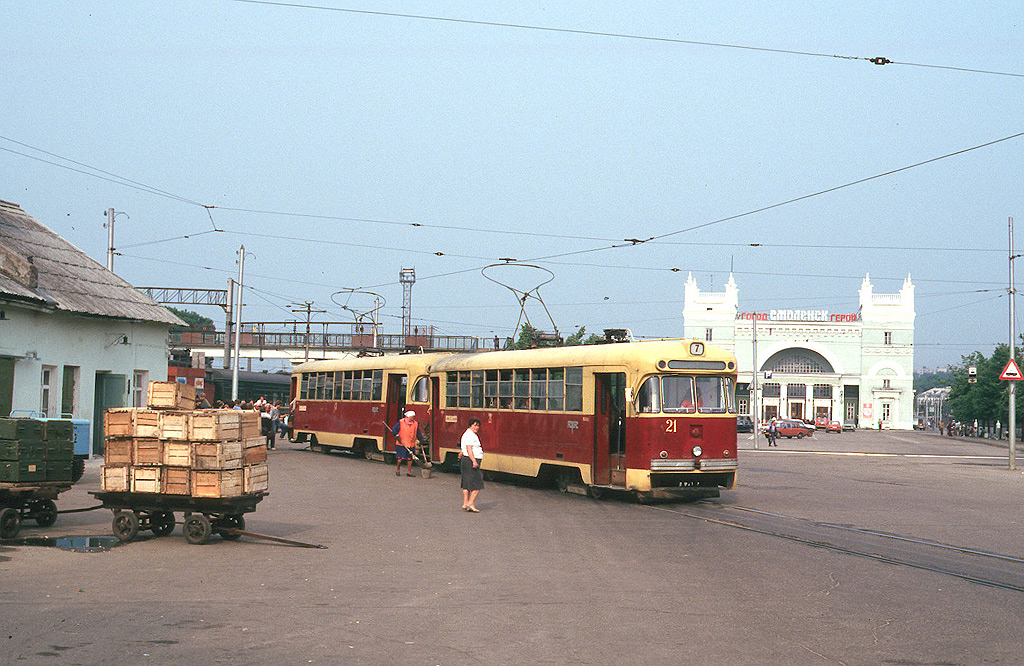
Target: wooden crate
21, 428
118, 452
22, 449
217, 483
16, 471
171, 395
256, 478
177, 453
251, 426
119, 422
147, 451
146, 479
146, 423
254, 450
114, 478
176, 480
215, 425
175, 425
217, 455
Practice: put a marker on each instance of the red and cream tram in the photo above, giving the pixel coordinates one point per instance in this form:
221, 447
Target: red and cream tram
352, 403
656, 418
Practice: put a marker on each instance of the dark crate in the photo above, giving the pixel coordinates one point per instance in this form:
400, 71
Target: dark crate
59, 450
19, 471
22, 449
56, 430
21, 429
58, 470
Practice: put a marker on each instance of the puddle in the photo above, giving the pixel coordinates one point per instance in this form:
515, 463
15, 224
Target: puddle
86, 544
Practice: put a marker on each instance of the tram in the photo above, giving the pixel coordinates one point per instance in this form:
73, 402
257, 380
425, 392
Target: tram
351, 404
655, 418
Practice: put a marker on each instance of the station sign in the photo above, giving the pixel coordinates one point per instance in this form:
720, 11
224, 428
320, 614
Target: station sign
799, 315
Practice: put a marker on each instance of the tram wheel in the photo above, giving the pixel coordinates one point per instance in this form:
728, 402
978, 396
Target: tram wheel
125, 525
197, 529
563, 481
595, 492
10, 523
45, 513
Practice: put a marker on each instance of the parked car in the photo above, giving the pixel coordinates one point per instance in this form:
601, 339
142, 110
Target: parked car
790, 428
834, 426
820, 423
849, 425
744, 424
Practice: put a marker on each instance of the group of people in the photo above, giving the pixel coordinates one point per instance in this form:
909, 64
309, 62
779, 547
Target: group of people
273, 418
471, 453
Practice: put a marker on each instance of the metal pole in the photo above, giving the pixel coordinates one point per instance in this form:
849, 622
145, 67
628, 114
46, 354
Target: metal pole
755, 412
110, 239
238, 323
227, 323
1013, 355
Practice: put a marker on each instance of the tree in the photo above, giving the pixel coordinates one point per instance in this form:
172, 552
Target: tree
988, 399
194, 320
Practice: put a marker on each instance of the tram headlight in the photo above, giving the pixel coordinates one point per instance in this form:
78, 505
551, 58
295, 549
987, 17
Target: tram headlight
663, 454
697, 451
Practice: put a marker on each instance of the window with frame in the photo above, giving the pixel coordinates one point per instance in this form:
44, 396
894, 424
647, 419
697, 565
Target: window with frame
140, 384
527, 389
420, 390
887, 338
574, 389
714, 395
707, 334
772, 390
44, 397
823, 391
796, 391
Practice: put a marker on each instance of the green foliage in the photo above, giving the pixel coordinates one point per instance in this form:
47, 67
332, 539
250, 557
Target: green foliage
194, 320
529, 338
924, 382
987, 400
576, 338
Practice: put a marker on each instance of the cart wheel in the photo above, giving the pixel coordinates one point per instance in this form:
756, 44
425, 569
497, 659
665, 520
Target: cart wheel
45, 513
197, 529
236, 522
10, 523
126, 525
162, 522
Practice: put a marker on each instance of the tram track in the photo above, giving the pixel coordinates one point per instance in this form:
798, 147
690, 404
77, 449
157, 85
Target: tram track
970, 564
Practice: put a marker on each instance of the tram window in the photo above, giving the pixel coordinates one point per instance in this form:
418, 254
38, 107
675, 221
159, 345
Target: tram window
328, 386
648, 400
346, 391
321, 381
420, 391
677, 395
366, 390
505, 389
464, 388
451, 389
711, 395
491, 389
556, 389
538, 388
522, 389
303, 384
378, 384
478, 389
574, 389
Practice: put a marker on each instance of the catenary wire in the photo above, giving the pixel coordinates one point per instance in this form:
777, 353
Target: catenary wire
876, 60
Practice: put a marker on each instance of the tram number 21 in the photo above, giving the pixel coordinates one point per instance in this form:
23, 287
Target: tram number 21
670, 425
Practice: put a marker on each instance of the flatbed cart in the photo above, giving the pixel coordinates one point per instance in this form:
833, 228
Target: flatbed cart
155, 511
28, 500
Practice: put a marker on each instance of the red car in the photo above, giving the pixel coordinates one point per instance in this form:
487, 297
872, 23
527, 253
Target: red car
792, 428
834, 426
821, 423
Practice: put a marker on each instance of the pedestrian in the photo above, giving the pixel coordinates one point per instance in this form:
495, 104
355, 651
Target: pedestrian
265, 425
773, 432
275, 418
408, 432
470, 455
203, 402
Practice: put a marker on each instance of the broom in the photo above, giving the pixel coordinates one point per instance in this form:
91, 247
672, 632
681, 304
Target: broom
426, 464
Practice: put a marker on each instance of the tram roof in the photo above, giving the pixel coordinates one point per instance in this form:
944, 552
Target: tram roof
415, 361
624, 353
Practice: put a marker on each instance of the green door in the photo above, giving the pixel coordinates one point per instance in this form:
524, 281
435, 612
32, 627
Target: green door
6, 385
111, 391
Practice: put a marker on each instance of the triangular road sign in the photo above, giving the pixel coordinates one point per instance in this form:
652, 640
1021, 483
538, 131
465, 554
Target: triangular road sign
1011, 371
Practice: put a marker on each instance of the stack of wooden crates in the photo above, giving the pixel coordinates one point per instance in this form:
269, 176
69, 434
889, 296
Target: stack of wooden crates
174, 449
32, 451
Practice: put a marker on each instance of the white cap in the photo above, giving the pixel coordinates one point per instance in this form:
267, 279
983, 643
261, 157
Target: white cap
410, 413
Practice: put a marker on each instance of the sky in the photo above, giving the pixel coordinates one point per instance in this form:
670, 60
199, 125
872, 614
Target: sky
341, 141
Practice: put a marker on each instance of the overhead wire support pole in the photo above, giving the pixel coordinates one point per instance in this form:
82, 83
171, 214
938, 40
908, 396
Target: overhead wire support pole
229, 313
238, 322
111, 214
1013, 357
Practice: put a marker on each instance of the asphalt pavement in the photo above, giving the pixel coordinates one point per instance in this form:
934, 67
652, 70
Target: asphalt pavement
544, 577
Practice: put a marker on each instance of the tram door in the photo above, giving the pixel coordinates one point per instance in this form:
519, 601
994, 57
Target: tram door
394, 408
610, 428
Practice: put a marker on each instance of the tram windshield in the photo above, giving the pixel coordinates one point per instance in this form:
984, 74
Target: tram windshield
679, 394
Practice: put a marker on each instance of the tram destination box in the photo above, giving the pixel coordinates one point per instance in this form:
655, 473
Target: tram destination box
21, 429
171, 395
217, 483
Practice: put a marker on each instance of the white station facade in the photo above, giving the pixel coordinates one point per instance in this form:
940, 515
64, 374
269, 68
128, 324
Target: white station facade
852, 367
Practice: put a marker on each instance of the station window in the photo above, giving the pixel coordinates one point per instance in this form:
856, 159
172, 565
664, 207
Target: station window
887, 383
887, 338
796, 391
823, 391
772, 390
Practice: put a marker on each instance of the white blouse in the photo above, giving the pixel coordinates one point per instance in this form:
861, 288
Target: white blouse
471, 444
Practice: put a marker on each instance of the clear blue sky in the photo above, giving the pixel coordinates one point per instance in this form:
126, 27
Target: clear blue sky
513, 142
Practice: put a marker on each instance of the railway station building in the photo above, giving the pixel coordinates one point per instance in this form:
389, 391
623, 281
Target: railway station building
852, 367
